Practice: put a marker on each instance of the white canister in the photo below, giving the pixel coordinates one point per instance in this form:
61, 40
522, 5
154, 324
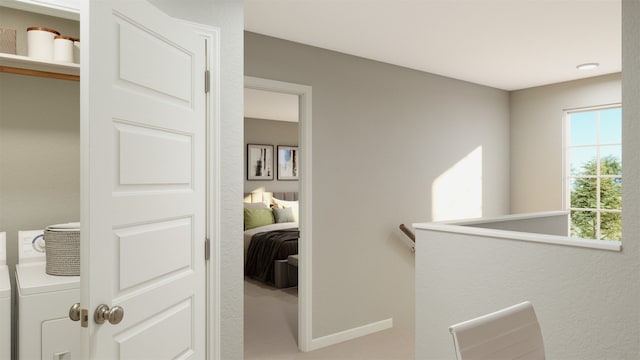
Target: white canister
40, 42
63, 49
76, 51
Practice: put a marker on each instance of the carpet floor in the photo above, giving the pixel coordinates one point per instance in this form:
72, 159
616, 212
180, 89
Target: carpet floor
271, 331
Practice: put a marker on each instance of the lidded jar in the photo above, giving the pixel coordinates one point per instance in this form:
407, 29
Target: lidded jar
40, 42
63, 48
76, 51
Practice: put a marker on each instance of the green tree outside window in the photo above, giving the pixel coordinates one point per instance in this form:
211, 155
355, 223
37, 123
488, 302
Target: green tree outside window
592, 191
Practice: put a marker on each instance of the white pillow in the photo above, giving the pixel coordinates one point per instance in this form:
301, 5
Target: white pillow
256, 205
284, 204
283, 215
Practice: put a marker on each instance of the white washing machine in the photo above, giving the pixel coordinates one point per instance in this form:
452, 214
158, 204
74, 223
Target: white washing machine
44, 328
5, 301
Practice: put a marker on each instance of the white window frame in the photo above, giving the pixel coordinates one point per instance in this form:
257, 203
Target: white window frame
567, 166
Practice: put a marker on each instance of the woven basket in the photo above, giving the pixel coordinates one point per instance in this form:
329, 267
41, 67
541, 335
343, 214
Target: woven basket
63, 252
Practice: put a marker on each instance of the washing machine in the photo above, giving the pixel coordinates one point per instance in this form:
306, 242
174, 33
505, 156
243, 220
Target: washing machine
43, 301
5, 301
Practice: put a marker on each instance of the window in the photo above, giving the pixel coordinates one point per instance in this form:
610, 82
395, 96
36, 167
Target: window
594, 172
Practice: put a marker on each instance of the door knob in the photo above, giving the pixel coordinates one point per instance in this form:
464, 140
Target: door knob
113, 315
74, 312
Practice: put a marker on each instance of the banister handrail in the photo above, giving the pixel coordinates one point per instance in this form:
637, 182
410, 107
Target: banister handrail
408, 233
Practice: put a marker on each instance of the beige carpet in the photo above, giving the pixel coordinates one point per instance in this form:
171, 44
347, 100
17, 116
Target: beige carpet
270, 332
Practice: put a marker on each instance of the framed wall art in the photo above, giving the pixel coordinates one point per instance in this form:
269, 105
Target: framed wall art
259, 162
288, 167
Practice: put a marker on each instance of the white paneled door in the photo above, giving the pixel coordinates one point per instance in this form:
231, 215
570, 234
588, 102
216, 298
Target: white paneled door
142, 183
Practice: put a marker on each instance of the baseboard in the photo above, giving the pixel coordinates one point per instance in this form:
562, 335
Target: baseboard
350, 334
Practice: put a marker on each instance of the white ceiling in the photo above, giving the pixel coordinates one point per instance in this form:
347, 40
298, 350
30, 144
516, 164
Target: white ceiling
506, 44
268, 105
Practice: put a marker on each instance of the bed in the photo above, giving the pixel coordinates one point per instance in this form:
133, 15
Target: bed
271, 236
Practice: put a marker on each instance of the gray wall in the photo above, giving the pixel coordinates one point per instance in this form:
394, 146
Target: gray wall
537, 137
269, 132
39, 155
381, 136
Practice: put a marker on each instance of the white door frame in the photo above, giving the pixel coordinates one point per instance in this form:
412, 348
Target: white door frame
213, 287
304, 245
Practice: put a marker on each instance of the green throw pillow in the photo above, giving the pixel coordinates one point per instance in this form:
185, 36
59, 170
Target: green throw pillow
257, 217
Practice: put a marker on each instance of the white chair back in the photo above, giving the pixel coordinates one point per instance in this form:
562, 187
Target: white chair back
511, 333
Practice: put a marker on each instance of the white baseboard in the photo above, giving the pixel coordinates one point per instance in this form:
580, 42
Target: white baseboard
350, 334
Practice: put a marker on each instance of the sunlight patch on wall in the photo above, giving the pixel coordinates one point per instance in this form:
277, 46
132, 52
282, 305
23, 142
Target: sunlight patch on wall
457, 193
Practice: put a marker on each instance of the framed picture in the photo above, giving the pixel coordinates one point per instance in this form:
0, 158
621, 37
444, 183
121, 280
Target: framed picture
288, 168
259, 162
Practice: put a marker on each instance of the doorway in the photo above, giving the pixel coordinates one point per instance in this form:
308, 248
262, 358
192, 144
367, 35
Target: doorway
305, 287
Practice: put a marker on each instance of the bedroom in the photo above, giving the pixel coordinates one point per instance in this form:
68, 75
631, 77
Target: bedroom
270, 292
271, 173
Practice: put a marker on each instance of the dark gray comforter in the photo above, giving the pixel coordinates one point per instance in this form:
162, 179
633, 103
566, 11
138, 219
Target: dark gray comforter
267, 247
